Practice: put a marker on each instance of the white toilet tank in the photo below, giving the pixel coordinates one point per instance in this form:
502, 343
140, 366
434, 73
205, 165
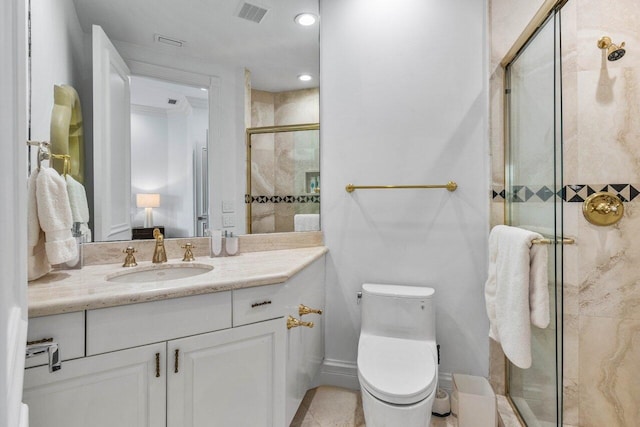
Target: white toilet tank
398, 311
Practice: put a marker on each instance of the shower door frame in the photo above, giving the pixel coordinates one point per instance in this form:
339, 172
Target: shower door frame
546, 12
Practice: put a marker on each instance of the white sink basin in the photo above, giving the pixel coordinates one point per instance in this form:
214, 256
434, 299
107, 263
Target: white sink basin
158, 273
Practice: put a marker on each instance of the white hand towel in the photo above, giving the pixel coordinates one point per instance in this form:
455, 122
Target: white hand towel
306, 222
79, 205
516, 291
37, 262
54, 213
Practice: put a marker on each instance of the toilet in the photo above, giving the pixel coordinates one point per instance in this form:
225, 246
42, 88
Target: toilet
397, 355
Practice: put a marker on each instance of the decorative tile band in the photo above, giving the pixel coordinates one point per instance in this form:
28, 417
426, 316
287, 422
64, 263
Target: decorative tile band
575, 193
313, 198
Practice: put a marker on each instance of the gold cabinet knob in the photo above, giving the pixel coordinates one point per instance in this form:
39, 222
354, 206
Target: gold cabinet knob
188, 253
129, 260
303, 309
292, 322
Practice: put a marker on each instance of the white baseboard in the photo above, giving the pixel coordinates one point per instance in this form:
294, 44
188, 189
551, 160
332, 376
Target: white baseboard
340, 373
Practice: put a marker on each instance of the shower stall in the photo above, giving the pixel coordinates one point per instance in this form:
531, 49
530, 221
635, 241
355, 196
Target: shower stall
533, 178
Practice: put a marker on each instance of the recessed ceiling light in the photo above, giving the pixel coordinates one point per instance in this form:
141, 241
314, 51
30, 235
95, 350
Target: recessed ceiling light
204, 89
305, 77
306, 19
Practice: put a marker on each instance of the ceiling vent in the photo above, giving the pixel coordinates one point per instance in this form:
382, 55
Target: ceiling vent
172, 101
251, 12
159, 38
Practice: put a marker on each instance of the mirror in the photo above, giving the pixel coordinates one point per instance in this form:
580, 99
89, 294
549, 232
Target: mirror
216, 45
283, 182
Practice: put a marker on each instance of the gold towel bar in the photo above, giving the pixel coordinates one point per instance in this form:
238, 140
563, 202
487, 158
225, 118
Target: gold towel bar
560, 240
451, 186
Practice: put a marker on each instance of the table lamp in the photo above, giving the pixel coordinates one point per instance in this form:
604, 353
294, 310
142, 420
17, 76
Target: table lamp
148, 201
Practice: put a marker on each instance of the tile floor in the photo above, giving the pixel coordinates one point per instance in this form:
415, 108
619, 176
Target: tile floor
328, 406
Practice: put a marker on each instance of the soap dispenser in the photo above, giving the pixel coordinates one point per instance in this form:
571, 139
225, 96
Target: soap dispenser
231, 244
215, 242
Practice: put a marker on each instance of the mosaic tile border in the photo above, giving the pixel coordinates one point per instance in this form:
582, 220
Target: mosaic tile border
575, 193
313, 198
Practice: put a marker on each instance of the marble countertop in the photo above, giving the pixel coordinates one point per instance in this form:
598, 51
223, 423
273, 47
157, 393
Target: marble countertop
66, 291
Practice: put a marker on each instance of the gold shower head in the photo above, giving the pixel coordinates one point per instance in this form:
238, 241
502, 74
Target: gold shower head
614, 52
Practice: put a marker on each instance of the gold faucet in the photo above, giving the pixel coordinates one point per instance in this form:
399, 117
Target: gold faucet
188, 253
129, 260
159, 253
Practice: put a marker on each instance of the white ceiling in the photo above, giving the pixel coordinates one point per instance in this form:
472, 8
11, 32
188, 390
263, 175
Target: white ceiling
156, 93
276, 50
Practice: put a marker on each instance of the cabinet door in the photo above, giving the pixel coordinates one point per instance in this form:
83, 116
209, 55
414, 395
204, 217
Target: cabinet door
305, 346
228, 378
113, 389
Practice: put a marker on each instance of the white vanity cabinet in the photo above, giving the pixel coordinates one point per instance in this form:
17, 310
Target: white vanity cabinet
233, 377
217, 359
120, 389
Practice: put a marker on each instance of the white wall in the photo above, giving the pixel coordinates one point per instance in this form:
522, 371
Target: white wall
404, 101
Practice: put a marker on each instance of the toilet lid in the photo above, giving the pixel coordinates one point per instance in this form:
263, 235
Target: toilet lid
395, 370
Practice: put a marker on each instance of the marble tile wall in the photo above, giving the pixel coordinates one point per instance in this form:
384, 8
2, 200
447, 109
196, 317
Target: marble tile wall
601, 100
275, 157
601, 340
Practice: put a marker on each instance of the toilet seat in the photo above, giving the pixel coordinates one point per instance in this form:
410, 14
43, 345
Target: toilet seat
397, 371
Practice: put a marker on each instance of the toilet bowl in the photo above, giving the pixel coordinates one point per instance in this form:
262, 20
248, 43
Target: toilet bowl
397, 355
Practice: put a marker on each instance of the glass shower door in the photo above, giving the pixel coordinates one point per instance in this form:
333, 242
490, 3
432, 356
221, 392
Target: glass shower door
534, 183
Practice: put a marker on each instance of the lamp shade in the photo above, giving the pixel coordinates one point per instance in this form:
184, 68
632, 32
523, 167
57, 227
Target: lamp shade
148, 200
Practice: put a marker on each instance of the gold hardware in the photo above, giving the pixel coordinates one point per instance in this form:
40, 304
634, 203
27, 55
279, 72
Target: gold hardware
260, 304
129, 260
451, 186
188, 254
316, 190
603, 209
556, 241
303, 309
66, 166
159, 253
157, 365
175, 364
294, 323
614, 52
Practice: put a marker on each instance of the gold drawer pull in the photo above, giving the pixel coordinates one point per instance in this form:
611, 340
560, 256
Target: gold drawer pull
294, 323
260, 304
303, 309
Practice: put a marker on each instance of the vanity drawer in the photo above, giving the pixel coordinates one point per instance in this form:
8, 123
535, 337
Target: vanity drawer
126, 326
66, 329
251, 305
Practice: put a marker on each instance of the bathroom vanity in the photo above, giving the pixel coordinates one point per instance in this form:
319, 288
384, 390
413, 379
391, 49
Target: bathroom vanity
212, 349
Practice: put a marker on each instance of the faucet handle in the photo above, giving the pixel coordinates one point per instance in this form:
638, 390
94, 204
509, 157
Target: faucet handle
188, 253
129, 260
157, 233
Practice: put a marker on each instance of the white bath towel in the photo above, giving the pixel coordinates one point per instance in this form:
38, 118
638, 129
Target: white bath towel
306, 222
54, 214
79, 206
516, 291
37, 262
